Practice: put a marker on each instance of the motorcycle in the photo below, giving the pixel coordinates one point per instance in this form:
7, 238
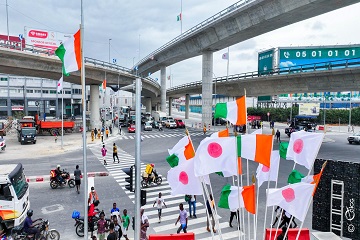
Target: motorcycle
2, 144
79, 222
17, 233
54, 182
147, 181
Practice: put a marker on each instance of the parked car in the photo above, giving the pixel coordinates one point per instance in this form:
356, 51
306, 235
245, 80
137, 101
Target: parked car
355, 138
147, 126
219, 121
131, 128
163, 120
155, 124
179, 123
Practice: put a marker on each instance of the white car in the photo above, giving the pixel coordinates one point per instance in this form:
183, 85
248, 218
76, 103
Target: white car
170, 124
147, 126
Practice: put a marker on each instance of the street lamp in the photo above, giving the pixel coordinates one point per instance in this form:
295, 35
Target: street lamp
109, 49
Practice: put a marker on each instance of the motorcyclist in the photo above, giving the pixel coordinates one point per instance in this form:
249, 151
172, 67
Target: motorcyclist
59, 174
91, 213
29, 226
151, 176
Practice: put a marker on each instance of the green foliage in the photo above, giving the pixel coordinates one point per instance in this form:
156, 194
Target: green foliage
332, 115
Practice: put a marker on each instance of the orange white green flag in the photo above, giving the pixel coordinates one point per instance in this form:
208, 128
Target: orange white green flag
256, 147
181, 177
234, 112
223, 133
69, 53
229, 198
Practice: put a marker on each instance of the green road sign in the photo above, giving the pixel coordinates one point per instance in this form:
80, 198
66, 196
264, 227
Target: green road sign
265, 62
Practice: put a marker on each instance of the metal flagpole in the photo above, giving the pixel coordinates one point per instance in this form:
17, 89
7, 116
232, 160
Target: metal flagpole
62, 111
238, 166
203, 184
228, 59
83, 86
181, 17
7, 21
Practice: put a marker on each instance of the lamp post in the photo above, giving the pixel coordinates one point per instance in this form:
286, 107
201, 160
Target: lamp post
109, 49
7, 21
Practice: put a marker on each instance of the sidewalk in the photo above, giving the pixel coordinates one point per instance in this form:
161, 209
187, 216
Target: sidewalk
46, 145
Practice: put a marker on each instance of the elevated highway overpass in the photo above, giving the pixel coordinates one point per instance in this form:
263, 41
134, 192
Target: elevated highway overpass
44, 66
239, 22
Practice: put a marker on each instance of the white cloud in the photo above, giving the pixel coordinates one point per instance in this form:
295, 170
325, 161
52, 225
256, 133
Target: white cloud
287, 64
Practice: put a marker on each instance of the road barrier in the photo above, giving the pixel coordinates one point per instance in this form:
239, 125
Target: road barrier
182, 236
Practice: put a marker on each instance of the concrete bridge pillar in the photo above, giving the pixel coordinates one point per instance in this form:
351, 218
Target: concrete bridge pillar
163, 88
187, 101
170, 105
148, 104
94, 107
207, 87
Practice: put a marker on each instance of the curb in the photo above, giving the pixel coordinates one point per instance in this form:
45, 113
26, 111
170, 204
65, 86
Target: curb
47, 178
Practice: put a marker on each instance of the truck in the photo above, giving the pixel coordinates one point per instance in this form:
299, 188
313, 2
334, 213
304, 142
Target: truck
302, 122
53, 126
159, 116
14, 195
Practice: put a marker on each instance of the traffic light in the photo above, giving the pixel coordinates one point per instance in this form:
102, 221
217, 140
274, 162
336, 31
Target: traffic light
129, 171
143, 197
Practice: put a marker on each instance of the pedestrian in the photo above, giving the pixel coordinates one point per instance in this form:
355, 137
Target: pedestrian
107, 132
56, 137
92, 135
102, 225
204, 129
277, 135
159, 202
353, 128
117, 228
144, 225
110, 129
192, 205
234, 213
282, 234
261, 125
125, 219
183, 218
77, 175
273, 131
115, 153
102, 136
115, 211
103, 153
95, 132
210, 207
93, 196
277, 215
112, 234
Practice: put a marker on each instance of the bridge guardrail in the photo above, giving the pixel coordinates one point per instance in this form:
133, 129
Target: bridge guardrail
201, 25
329, 65
95, 62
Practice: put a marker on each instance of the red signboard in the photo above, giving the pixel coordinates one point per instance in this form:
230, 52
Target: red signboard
13, 41
253, 118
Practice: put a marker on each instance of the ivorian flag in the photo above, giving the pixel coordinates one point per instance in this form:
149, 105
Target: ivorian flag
69, 53
234, 112
179, 17
104, 84
256, 147
229, 198
223, 133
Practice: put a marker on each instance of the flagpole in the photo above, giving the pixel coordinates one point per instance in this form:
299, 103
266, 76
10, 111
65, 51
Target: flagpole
216, 215
181, 16
83, 86
62, 112
272, 214
228, 59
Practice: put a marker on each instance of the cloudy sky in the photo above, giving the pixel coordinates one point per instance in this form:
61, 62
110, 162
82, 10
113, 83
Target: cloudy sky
153, 23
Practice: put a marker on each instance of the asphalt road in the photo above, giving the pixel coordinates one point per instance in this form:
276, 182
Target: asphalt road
57, 205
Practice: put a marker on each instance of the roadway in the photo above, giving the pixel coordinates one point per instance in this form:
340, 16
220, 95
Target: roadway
57, 205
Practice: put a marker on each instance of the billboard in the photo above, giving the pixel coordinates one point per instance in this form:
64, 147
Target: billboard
13, 41
265, 61
310, 109
291, 57
44, 38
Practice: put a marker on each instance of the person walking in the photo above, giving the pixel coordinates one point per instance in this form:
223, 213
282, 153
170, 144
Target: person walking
93, 196
192, 205
125, 219
107, 132
144, 225
234, 213
183, 218
112, 234
110, 129
210, 206
159, 202
102, 225
282, 234
77, 175
103, 153
102, 136
277, 135
95, 132
115, 153
92, 135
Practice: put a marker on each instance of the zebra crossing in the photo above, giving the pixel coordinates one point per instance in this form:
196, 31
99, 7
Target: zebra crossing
159, 135
169, 214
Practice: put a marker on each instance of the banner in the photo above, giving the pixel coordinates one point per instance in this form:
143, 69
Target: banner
311, 109
43, 38
13, 41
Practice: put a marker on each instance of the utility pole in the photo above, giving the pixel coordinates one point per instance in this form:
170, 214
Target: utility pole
7, 20
109, 49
